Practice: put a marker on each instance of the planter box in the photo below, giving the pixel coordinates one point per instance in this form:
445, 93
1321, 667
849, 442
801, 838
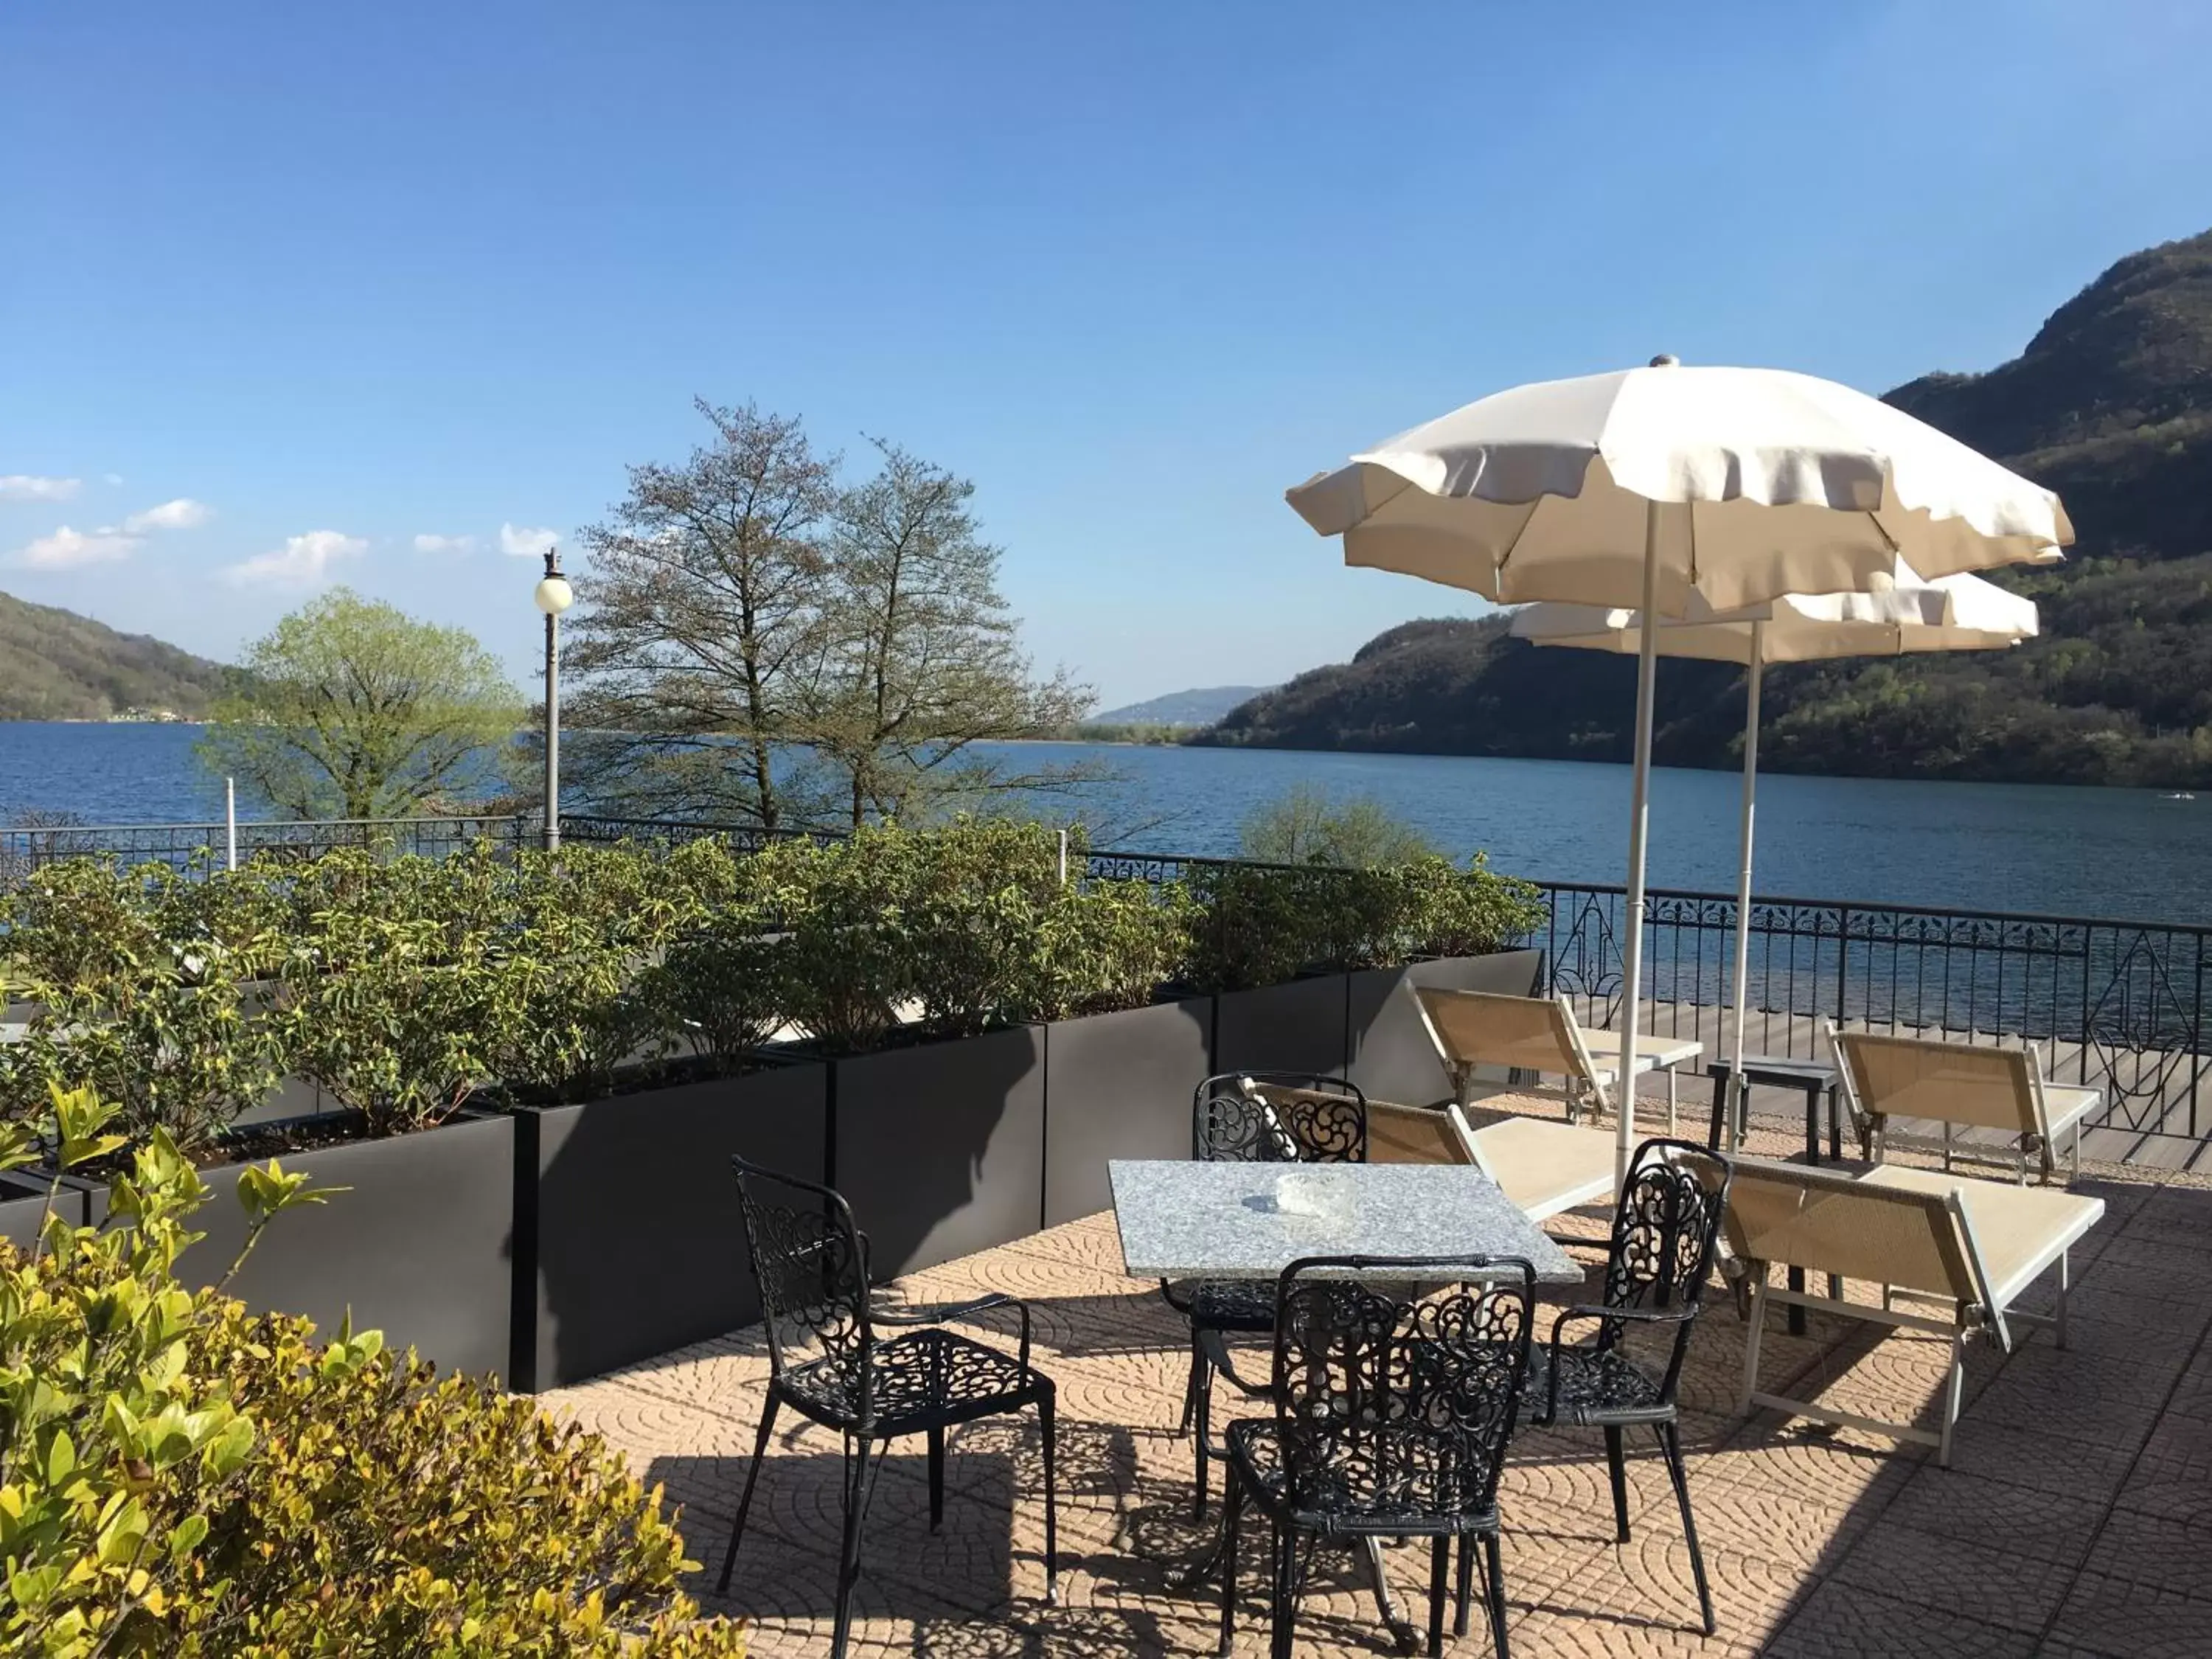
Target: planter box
1392, 1058
628, 1240
940, 1148
23, 1206
1297, 1027
417, 1248
1117, 1086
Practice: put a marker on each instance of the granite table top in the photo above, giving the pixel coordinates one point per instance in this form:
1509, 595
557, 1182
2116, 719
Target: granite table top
1182, 1219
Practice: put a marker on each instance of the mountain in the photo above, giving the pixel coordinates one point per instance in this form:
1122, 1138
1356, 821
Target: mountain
57, 666
1198, 708
2111, 404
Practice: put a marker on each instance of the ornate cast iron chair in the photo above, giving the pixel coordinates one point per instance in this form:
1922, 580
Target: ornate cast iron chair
828, 1363
1253, 1117
1393, 1410
1656, 1265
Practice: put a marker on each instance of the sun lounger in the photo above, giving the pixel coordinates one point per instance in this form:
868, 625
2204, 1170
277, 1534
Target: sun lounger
1886, 1079
1474, 1029
1978, 1245
1543, 1167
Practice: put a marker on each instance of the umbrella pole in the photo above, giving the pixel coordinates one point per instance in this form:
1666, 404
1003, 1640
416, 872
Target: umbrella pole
1639, 819
1739, 1090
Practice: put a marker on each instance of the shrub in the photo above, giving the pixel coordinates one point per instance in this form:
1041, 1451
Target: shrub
184, 1478
1111, 945
159, 1018
1307, 825
396, 1020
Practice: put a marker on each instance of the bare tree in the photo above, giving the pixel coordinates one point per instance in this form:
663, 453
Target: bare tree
922, 661
701, 628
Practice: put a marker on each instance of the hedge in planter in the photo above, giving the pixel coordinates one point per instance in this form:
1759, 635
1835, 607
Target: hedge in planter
194, 1481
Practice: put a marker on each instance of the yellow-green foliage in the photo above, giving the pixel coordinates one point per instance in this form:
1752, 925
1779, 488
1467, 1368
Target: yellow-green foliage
179, 1477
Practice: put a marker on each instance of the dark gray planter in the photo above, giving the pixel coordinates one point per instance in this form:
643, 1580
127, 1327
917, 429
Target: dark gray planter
1117, 1086
628, 1242
1297, 1027
417, 1247
940, 1148
1392, 1058
23, 1206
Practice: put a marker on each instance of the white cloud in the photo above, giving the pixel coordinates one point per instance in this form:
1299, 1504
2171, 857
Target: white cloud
524, 543
114, 478
182, 514
302, 561
67, 548
444, 543
25, 487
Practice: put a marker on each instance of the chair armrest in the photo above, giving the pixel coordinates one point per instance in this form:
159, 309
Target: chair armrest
1586, 1310
939, 1313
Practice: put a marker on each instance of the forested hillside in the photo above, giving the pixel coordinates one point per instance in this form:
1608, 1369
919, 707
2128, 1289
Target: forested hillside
57, 666
2110, 404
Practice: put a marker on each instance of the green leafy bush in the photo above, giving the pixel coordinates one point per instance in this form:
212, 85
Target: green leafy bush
131, 999
178, 1477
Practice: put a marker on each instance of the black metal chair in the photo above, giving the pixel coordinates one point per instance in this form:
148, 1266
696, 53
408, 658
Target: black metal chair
827, 1363
1393, 1410
1657, 1264
1253, 1117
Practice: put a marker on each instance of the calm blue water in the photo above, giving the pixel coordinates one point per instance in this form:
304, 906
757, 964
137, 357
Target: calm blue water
2006, 847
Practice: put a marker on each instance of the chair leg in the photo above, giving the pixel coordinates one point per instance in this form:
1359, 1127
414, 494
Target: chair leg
1048, 1426
1616, 1466
746, 1501
1466, 1583
1494, 1574
1203, 1432
1285, 1599
1439, 1568
1670, 1445
936, 1477
1232, 1521
857, 1487
2058, 1332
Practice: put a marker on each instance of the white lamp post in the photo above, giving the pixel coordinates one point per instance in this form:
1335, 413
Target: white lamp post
554, 595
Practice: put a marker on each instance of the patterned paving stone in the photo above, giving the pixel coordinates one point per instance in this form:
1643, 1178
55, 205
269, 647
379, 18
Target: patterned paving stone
1964, 1578
2022, 1455
1839, 1621
2121, 1618
2053, 1527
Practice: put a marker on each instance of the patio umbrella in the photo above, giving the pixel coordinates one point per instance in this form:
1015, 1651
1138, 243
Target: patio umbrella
1951, 613
1647, 488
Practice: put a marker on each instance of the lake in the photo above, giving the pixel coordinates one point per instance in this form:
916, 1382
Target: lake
2119, 853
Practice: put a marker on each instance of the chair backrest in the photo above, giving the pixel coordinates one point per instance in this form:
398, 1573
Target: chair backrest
812, 1264
1827, 1221
1279, 1117
1359, 1362
1664, 1232
1416, 1134
1890, 1076
1490, 1028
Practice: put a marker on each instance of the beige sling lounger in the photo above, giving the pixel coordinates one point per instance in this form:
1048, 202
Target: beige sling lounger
1888, 1077
1978, 1245
1544, 1169
1539, 1033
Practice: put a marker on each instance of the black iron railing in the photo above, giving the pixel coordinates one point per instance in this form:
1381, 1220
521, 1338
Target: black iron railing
207, 845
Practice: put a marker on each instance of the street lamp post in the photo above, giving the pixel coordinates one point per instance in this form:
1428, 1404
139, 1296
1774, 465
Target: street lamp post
554, 595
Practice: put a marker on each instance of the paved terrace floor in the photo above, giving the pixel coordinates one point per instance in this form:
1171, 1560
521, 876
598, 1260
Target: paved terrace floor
2076, 1518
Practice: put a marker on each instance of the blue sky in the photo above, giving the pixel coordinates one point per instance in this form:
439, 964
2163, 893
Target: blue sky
304, 284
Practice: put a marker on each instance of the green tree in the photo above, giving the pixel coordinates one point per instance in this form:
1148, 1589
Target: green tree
352, 708
1306, 824
923, 661
701, 629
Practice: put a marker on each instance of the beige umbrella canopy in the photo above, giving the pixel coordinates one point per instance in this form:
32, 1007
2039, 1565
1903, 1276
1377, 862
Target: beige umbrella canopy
1662, 487
1904, 616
